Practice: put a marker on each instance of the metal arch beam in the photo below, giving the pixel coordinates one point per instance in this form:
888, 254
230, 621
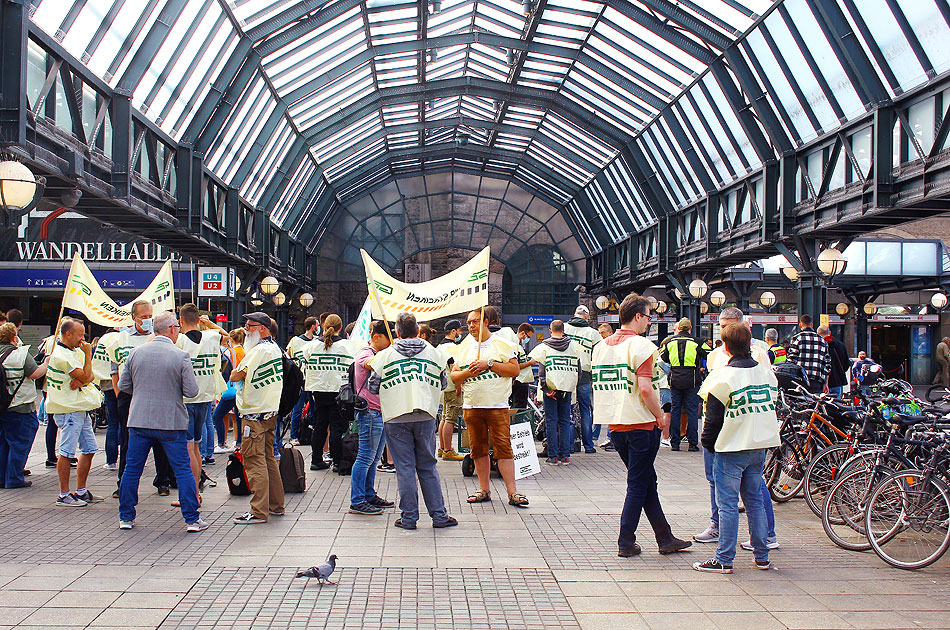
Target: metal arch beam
710, 36
320, 12
466, 86
153, 41
237, 63
758, 104
664, 29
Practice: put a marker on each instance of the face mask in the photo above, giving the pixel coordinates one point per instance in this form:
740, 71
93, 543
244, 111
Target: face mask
147, 325
251, 340
524, 341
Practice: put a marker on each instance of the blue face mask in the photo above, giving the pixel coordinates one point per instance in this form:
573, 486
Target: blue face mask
148, 325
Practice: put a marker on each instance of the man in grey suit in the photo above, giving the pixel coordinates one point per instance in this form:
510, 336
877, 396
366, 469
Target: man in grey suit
159, 376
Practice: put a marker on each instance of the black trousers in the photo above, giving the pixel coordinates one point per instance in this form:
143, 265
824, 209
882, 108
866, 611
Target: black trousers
163, 469
325, 417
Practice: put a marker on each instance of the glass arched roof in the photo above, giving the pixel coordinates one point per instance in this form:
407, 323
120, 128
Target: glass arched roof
306, 106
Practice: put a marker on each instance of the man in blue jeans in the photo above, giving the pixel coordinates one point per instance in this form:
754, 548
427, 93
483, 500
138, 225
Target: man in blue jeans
740, 425
578, 329
159, 376
363, 497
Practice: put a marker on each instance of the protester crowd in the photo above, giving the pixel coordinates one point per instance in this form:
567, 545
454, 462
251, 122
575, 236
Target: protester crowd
175, 385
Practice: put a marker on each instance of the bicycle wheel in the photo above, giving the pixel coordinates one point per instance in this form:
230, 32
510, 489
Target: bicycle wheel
822, 473
908, 520
842, 515
786, 474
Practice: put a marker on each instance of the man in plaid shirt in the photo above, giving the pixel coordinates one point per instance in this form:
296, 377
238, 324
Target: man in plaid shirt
809, 350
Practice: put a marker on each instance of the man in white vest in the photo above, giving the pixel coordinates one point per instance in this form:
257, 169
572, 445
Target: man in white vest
560, 360
484, 365
578, 328
204, 348
19, 418
740, 425
295, 348
627, 399
409, 377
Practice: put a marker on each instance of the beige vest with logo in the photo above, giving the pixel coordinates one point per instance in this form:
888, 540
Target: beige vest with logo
560, 367
487, 389
616, 394
749, 395
206, 361
19, 382
409, 384
101, 362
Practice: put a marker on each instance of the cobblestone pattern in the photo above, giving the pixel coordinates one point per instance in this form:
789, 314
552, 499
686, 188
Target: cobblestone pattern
376, 599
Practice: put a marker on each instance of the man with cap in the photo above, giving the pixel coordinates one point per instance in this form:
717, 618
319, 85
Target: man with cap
451, 397
262, 373
578, 328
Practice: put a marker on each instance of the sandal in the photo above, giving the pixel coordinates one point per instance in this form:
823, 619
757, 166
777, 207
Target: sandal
518, 500
479, 497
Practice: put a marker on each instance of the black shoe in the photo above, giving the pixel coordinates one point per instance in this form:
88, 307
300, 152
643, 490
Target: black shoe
449, 522
50, 464
319, 466
115, 495
73, 463
693, 449
381, 502
675, 448
336, 468
163, 491
590, 450
629, 553
25, 484
27, 472
675, 545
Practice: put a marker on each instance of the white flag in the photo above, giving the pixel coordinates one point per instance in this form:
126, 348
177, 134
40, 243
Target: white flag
459, 291
84, 294
361, 333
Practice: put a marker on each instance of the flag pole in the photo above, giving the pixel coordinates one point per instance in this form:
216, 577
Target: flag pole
62, 303
481, 320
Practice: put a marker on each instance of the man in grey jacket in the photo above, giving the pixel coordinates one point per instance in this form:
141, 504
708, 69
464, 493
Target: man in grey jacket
159, 376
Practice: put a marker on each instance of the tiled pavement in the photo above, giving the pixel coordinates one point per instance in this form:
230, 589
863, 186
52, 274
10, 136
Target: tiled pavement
553, 565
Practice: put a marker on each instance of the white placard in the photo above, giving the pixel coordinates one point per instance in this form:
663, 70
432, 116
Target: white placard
213, 281
525, 454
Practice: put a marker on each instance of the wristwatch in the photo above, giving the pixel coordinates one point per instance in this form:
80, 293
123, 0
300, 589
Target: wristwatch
491, 362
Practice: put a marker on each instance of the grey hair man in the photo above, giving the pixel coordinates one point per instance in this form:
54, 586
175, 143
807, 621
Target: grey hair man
159, 376
409, 377
776, 350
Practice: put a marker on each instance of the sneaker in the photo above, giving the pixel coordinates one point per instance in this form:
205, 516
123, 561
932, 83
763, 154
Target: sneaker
365, 509
88, 497
692, 449
327, 458
110, 467
386, 468
450, 455
764, 565
319, 466
294, 442
126, 524
439, 452
712, 566
70, 500
163, 491
551, 461
221, 450
674, 546
665, 442
629, 553
276, 513
50, 464
708, 535
675, 447
115, 494
566, 461
198, 526
207, 461
604, 444
770, 543
590, 450
380, 502
610, 447
248, 519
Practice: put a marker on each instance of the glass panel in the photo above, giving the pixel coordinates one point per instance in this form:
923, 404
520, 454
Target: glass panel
884, 258
919, 259
922, 119
855, 254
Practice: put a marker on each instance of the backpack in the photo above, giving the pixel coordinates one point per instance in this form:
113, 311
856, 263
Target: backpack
292, 385
6, 395
237, 478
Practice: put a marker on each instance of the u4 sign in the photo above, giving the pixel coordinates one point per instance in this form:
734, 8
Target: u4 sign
212, 281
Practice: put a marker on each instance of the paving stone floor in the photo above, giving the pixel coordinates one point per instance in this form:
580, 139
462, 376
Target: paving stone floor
553, 565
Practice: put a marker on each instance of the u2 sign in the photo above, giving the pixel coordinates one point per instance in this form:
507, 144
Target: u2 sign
212, 281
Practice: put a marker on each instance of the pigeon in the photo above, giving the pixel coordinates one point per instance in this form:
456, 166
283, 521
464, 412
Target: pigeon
322, 571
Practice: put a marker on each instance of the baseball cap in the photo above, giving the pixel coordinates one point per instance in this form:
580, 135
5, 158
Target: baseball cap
258, 318
581, 310
452, 324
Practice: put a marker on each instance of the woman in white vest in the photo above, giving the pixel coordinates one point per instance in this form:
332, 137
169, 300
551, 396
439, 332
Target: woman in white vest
18, 423
328, 362
740, 425
560, 359
409, 377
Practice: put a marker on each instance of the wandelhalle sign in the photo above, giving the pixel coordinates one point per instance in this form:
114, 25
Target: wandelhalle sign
58, 236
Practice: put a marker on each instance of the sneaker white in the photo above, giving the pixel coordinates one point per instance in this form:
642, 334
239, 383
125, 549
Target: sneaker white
294, 442
708, 535
70, 500
220, 450
126, 524
198, 526
665, 442
110, 467
771, 543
